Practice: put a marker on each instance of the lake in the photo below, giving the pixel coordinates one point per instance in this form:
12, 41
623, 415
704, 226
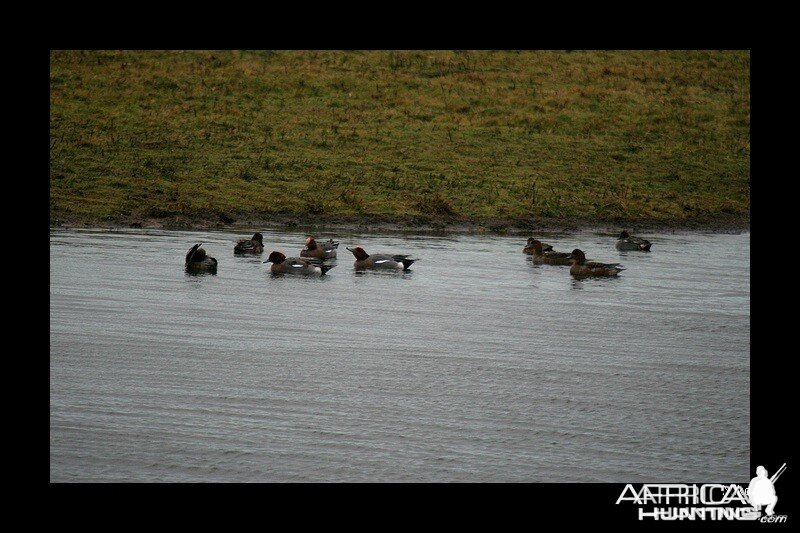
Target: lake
475, 366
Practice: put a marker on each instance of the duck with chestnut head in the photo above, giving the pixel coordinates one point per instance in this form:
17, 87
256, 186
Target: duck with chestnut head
325, 250
306, 266
198, 261
627, 242
380, 261
582, 268
250, 246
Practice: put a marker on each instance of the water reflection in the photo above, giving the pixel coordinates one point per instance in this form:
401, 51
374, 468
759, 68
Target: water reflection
580, 282
194, 272
316, 278
401, 274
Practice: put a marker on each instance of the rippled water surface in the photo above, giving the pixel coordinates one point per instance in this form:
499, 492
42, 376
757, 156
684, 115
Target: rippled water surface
475, 366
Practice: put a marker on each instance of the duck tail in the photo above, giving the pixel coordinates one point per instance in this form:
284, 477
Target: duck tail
407, 263
325, 268
646, 246
191, 252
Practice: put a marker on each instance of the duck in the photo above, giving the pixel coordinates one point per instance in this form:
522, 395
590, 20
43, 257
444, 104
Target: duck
626, 242
326, 250
295, 265
197, 260
550, 257
529, 248
380, 261
250, 246
582, 268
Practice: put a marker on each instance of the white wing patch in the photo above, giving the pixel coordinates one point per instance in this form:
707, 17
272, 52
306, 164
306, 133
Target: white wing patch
381, 261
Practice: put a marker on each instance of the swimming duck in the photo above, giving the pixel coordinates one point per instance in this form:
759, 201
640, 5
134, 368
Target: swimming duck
529, 248
550, 257
197, 260
364, 260
326, 250
250, 246
295, 265
626, 242
582, 268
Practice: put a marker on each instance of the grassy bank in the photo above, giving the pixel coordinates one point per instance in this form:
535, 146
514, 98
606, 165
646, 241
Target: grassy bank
230, 136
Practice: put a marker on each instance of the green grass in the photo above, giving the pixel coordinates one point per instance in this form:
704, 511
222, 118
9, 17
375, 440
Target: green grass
225, 134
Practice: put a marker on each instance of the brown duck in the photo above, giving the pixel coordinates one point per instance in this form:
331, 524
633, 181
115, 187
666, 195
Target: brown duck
250, 246
583, 268
626, 242
326, 250
541, 257
529, 247
198, 261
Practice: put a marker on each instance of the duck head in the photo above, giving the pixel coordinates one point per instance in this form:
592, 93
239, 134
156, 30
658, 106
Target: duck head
359, 253
578, 256
311, 244
624, 235
536, 245
275, 257
258, 238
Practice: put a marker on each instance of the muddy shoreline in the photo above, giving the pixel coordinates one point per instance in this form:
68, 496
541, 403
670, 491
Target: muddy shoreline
417, 224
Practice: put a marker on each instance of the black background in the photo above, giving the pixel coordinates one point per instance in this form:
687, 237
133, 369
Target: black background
408, 26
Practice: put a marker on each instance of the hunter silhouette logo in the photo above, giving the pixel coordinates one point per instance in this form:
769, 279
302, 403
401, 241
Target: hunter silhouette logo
761, 490
710, 501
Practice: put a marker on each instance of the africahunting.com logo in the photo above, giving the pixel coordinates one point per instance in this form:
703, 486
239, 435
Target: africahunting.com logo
711, 501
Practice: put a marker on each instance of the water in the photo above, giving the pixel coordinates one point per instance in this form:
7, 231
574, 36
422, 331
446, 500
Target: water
475, 366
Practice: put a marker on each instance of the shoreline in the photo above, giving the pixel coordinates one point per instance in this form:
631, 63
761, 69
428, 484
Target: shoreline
417, 224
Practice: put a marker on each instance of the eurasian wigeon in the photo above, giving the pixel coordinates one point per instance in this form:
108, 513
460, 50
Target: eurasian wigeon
197, 260
626, 242
382, 261
583, 268
529, 247
326, 250
250, 246
295, 265
551, 257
